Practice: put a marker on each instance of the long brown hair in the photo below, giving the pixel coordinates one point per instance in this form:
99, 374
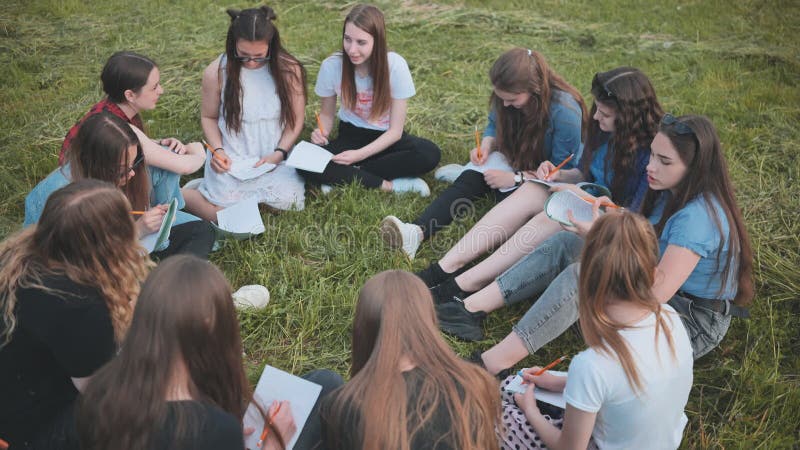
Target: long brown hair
707, 176
395, 318
630, 94
184, 314
100, 151
370, 19
86, 234
255, 24
521, 132
618, 262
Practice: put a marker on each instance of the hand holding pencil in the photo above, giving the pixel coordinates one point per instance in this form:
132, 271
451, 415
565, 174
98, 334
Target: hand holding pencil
280, 416
319, 136
219, 160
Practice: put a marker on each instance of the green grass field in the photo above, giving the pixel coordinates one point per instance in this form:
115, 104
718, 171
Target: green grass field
736, 62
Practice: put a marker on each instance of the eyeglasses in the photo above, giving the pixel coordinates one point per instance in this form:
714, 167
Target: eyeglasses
605, 90
245, 59
680, 127
136, 163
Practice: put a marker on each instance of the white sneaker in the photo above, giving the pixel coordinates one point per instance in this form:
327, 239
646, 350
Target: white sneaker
193, 184
398, 234
448, 173
418, 185
251, 296
325, 188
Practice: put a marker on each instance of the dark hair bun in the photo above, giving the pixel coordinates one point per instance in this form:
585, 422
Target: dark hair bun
268, 12
234, 13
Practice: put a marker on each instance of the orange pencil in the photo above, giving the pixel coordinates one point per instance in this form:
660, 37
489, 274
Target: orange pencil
266, 427
319, 124
137, 213
604, 204
558, 167
478, 142
212, 150
549, 366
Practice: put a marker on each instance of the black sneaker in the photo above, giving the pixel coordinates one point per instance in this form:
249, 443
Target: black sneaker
448, 292
456, 321
434, 275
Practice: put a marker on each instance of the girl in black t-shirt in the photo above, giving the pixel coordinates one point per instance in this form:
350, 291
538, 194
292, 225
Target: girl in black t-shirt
178, 382
67, 287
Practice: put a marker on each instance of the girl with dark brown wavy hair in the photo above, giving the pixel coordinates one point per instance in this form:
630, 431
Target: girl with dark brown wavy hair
535, 116
67, 289
374, 84
254, 98
408, 389
630, 387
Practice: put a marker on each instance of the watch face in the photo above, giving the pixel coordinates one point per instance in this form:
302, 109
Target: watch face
518, 177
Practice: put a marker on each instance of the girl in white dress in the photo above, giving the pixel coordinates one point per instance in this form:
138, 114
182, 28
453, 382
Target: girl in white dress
252, 113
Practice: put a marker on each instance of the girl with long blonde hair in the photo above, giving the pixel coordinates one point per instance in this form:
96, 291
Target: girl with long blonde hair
629, 388
67, 288
408, 389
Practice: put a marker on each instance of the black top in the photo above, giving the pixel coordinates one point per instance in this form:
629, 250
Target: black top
59, 335
434, 435
211, 428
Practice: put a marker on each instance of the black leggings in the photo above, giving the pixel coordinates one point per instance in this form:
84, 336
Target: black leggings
455, 201
196, 238
411, 156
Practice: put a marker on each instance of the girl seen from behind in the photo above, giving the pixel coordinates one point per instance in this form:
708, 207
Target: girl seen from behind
630, 387
254, 98
408, 389
374, 85
67, 288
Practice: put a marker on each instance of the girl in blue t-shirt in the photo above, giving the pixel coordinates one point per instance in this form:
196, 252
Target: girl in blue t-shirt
535, 116
374, 84
625, 117
706, 266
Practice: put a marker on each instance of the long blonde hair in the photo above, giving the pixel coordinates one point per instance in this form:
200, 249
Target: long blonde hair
395, 317
618, 262
86, 234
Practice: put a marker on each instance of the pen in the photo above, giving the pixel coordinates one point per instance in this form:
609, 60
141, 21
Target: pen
558, 167
266, 427
478, 142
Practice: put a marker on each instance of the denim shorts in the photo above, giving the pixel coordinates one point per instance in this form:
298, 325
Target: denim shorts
705, 327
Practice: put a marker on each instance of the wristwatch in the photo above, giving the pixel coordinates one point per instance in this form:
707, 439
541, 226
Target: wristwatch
518, 178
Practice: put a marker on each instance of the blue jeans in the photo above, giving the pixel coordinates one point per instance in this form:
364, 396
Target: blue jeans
552, 271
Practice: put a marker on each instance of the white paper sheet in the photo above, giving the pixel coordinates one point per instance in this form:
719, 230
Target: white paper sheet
243, 169
553, 398
276, 384
560, 202
152, 241
243, 217
308, 156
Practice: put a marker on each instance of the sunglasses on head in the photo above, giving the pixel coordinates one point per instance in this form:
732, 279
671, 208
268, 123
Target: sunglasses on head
602, 87
245, 59
680, 127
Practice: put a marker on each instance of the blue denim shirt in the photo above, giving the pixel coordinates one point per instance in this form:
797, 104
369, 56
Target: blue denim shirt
563, 135
635, 187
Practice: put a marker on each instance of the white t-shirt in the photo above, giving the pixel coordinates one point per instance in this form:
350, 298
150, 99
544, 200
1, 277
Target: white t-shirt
329, 83
654, 419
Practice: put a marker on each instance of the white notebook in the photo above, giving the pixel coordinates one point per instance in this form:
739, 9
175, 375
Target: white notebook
553, 398
560, 202
310, 157
243, 169
276, 384
243, 217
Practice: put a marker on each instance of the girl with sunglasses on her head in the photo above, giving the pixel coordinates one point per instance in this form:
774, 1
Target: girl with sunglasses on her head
535, 116
374, 84
67, 289
630, 387
625, 115
179, 381
706, 266
254, 98
107, 149
408, 390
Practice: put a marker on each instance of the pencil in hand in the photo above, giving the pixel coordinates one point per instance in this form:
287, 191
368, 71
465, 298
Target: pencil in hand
265, 432
220, 159
478, 143
549, 366
558, 167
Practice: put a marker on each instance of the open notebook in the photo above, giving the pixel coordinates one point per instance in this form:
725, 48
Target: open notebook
276, 384
560, 202
158, 241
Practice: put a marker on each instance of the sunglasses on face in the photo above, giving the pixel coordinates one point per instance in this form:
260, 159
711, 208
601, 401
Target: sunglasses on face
245, 59
680, 127
136, 163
